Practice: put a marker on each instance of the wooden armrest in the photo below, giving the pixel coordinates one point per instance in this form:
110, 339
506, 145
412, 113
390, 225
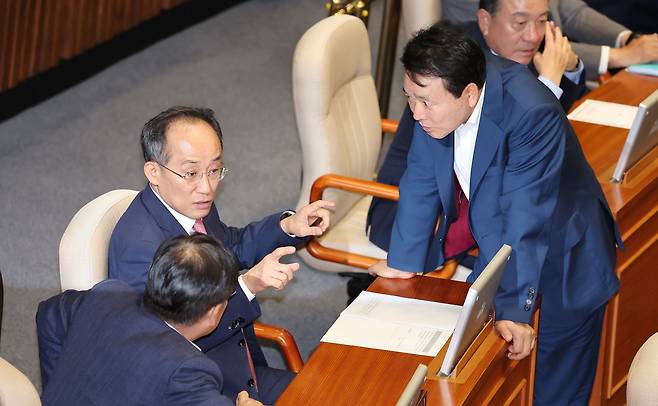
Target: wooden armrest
389, 126
285, 341
366, 187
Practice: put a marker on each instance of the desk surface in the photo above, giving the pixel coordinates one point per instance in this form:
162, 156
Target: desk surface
346, 375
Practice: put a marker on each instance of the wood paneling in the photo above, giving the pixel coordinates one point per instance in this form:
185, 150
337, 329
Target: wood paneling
36, 35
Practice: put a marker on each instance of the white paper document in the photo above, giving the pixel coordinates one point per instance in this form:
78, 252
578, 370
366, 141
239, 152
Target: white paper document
394, 323
604, 113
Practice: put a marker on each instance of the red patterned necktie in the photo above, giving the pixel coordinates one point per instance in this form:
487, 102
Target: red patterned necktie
199, 227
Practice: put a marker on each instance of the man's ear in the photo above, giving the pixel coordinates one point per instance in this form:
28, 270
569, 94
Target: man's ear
216, 312
152, 172
484, 20
472, 94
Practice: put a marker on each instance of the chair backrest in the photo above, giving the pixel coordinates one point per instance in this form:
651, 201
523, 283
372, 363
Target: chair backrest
642, 384
417, 14
15, 388
336, 107
84, 246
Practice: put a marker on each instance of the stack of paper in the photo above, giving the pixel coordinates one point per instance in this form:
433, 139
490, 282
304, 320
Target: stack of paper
604, 113
394, 323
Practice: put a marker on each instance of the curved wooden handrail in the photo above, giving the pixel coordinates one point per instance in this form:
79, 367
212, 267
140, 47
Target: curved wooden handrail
285, 341
367, 187
389, 126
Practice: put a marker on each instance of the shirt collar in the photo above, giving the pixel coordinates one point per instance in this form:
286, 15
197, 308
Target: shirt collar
174, 328
186, 222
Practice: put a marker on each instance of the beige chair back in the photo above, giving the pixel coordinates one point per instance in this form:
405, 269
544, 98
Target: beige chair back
15, 388
83, 249
417, 14
336, 106
642, 384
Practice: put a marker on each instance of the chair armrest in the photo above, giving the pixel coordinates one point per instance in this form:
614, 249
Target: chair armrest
389, 126
284, 340
366, 187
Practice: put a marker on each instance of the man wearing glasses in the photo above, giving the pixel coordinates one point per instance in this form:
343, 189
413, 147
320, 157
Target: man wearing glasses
182, 150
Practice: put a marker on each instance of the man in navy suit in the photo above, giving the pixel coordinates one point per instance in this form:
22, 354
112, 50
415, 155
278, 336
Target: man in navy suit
513, 30
112, 346
495, 160
182, 149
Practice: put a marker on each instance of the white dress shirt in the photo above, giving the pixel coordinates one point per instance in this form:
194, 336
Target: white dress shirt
187, 224
465, 137
174, 328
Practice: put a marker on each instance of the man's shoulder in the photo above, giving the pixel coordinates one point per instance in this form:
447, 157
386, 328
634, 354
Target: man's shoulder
137, 222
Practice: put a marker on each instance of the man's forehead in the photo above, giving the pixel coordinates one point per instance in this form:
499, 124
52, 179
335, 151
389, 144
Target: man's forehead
522, 8
421, 83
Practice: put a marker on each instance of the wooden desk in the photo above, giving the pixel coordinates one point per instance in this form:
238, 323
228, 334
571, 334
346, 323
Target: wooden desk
345, 375
632, 315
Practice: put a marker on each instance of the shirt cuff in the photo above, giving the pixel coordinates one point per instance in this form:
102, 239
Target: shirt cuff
555, 89
605, 57
286, 214
574, 76
618, 43
250, 296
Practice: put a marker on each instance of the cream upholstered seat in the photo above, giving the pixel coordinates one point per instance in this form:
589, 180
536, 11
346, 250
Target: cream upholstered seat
83, 253
642, 384
339, 126
417, 14
84, 246
15, 388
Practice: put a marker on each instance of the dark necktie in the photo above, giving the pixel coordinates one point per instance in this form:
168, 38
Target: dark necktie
459, 237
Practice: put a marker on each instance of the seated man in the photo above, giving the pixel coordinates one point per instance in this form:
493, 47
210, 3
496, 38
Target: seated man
112, 346
495, 159
600, 42
182, 149
508, 28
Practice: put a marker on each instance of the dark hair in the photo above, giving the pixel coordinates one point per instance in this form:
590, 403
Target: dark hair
188, 276
490, 5
154, 133
445, 51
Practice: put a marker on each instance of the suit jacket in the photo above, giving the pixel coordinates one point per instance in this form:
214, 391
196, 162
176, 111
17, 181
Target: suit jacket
586, 28
382, 212
147, 223
531, 188
103, 347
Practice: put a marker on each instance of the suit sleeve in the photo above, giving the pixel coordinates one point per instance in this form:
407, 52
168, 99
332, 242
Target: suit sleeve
572, 91
257, 239
418, 207
381, 213
54, 316
531, 182
197, 381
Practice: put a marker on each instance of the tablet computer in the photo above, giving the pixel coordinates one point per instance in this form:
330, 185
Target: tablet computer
476, 310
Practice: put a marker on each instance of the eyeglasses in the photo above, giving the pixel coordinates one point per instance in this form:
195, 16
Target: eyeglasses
194, 177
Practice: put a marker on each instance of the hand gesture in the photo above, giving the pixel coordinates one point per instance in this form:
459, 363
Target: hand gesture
557, 56
521, 335
270, 272
312, 219
641, 50
382, 269
243, 399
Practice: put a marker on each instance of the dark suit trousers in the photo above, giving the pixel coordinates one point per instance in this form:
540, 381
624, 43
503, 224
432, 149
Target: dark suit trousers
567, 349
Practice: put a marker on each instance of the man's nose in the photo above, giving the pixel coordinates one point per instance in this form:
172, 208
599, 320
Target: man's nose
416, 109
204, 185
531, 33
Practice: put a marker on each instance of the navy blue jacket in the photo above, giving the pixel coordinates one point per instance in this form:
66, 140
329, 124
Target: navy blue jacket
103, 347
531, 188
382, 212
147, 223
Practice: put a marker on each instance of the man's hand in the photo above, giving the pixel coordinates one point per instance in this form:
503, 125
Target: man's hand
521, 335
243, 399
641, 50
270, 272
557, 56
312, 219
381, 269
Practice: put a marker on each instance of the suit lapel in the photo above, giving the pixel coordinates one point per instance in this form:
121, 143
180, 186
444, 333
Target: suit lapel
445, 175
490, 133
162, 216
